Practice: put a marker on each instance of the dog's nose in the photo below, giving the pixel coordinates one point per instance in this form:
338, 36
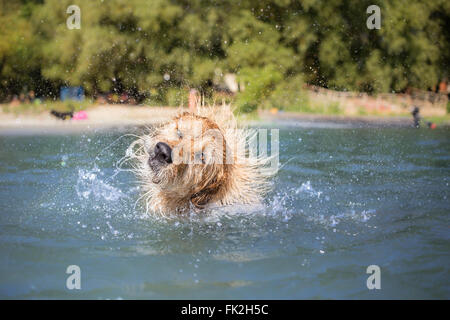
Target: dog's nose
163, 152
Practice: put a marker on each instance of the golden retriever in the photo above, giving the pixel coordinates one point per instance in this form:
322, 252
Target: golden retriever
196, 161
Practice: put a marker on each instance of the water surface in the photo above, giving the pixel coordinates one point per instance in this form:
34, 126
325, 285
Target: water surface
346, 198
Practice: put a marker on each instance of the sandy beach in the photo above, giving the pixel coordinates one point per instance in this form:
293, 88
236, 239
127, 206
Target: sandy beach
99, 118
123, 116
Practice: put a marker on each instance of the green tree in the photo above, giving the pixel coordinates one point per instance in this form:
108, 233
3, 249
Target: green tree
143, 46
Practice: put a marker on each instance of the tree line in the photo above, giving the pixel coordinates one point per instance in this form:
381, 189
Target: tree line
148, 47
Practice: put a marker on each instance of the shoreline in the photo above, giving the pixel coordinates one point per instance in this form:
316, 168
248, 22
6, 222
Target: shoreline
340, 121
100, 118
107, 117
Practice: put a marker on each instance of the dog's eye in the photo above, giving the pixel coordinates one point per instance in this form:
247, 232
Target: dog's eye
179, 134
200, 156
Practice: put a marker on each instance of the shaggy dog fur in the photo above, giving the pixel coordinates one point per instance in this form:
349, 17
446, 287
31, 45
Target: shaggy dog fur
207, 167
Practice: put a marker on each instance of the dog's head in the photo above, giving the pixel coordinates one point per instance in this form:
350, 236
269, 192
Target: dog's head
187, 159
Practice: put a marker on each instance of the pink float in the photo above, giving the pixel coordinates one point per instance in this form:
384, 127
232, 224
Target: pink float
80, 115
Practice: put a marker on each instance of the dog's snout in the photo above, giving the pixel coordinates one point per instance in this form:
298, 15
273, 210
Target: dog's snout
163, 152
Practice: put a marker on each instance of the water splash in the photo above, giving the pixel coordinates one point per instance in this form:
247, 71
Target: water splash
308, 189
91, 185
315, 206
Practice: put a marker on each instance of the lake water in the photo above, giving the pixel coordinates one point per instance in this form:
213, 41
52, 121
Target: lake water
346, 198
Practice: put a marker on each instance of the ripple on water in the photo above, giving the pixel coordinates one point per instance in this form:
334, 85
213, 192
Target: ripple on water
327, 218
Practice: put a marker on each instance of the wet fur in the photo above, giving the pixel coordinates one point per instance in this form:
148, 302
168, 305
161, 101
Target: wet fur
180, 187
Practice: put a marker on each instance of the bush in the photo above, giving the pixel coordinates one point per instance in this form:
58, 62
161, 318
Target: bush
258, 85
155, 97
177, 96
288, 96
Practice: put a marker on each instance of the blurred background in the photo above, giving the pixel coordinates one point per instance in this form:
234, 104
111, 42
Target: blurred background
281, 55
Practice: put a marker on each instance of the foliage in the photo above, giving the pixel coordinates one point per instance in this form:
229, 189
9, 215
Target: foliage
288, 95
141, 46
177, 96
258, 84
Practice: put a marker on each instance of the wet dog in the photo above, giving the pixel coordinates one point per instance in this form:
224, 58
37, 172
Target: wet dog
62, 115
196, 161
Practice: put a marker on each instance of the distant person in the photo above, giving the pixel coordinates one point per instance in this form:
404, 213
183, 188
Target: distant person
31, 96
416, 117
123, 98
101, 99
15, 101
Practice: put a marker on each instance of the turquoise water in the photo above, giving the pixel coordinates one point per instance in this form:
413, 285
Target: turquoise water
346, 198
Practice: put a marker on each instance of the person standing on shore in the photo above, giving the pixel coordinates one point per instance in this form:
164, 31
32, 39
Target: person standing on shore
416, 117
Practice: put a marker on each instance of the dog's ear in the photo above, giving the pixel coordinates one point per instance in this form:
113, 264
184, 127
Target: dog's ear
202, 197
